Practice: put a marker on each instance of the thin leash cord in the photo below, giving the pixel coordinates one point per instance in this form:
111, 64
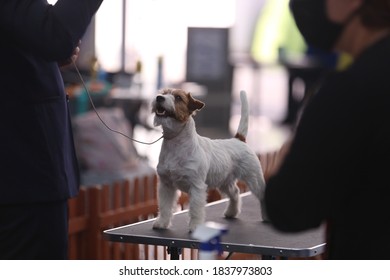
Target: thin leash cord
102, 121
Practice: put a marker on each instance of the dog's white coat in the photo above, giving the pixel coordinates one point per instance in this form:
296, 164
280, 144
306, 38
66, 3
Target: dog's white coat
192, 163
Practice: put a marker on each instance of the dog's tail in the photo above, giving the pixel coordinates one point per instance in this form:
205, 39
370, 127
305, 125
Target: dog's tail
242, 130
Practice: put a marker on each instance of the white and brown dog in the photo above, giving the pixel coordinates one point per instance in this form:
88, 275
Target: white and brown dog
193, 164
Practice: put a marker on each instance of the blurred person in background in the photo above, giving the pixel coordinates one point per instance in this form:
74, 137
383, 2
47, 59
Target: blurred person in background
39, 167
334, 170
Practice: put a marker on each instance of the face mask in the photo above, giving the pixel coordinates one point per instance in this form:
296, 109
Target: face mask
314, 25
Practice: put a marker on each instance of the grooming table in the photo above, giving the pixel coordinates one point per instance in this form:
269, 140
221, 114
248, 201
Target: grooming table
246, 233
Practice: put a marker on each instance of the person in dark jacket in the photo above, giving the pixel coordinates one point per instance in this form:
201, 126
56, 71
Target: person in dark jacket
335, 170
39, 169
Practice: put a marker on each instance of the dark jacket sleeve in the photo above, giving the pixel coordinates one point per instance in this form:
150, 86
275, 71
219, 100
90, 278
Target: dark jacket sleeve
51, 32
37, 141
309, 185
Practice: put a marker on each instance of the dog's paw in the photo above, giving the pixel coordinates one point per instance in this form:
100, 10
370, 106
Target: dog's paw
192, 228
193, 225
264, 213
231, 212
161, 224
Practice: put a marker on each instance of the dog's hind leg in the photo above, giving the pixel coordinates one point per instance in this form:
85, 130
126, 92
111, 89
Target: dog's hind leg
257, 186
234, 205
167, 199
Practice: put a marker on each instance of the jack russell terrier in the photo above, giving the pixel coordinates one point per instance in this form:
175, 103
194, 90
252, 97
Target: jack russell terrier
193, 164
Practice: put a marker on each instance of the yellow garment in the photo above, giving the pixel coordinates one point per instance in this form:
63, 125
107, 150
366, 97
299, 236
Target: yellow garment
344, 61
276, 29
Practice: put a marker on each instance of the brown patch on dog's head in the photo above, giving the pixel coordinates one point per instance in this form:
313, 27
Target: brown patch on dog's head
183, 105
194, 105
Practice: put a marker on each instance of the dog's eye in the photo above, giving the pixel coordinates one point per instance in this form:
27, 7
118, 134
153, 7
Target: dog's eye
178, 98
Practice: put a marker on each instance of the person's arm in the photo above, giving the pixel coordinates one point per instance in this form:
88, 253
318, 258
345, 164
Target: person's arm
73, 58
49, 31
271, 161
308, 185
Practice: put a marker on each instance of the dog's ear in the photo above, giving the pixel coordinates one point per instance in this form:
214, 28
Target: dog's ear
194, 104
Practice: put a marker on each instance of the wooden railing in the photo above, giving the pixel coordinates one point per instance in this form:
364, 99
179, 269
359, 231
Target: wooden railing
102, 207
98, 208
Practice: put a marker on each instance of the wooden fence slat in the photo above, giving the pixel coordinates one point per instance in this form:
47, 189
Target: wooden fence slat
106, 206
130, 214
94, 206
126, 193
136, 187
78, 223
145, 187
98, 208
117, 205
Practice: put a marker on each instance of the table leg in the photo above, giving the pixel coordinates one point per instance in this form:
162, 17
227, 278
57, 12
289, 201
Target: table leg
268, 257
174, 252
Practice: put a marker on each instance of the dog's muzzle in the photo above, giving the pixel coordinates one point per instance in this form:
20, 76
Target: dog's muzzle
160, 109
160, 99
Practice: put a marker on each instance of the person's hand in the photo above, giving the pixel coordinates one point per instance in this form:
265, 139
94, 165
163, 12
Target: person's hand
73, 58
271, 161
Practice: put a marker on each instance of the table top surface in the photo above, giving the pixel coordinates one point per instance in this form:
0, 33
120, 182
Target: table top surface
246, 234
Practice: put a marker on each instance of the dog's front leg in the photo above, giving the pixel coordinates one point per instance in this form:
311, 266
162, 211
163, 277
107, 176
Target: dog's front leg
198, 196
167, 199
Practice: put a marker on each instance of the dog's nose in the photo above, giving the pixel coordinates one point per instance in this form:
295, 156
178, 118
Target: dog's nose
160, 98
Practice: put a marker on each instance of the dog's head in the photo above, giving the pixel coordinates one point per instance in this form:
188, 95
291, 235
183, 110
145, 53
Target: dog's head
175, 104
